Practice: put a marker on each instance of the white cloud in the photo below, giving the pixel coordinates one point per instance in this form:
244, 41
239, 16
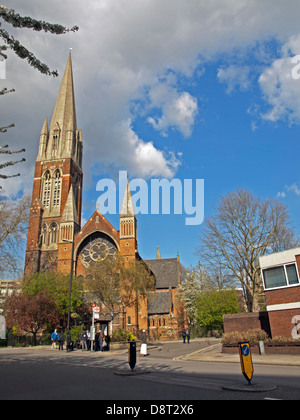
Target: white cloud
122, 52
235, 76
179, 110
294, 188
281, 194
280, 87
289, 188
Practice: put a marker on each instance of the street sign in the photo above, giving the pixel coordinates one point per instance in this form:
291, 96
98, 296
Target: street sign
246, 361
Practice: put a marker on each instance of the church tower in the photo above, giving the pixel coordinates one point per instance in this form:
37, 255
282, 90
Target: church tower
128, 227
55, 214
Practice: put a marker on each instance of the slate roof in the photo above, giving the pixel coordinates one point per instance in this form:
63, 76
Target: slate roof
166, 272
159, 303
167, 275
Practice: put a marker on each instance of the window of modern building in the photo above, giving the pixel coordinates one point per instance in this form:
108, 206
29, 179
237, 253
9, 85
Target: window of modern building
281, 276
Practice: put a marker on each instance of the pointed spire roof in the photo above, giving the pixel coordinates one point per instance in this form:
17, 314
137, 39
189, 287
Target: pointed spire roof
45, 127
127, 205
64, 112
158, 256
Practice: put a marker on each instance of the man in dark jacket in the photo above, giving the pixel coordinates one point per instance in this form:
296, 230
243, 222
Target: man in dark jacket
61, 340
83, 340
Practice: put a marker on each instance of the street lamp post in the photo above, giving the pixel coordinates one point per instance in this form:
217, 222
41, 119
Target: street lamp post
70, 293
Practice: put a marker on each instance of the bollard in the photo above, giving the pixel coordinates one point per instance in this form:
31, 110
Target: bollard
132, 354
246, 361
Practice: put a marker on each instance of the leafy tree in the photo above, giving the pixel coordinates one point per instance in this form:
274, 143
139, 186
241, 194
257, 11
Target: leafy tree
212, 305
30, 313
244, 228
193, 282
117, 284
56, 286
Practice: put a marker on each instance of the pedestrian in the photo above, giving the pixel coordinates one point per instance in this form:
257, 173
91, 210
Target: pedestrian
83, 340
97, 344
183, 336
61, 341
101, 340
88, 340
54, 338
187, 333
144, 343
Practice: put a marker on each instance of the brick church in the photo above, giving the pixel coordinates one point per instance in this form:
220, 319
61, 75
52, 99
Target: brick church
57, 242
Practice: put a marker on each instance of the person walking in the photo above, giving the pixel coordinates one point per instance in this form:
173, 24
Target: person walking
187, 333
61, 340
97, 344
54, 338
101, 340
183, 336
144, 343
83, 340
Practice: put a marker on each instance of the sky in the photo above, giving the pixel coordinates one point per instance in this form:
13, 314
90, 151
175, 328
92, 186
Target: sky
175, 89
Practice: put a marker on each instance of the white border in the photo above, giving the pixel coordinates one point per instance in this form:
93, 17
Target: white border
283, 306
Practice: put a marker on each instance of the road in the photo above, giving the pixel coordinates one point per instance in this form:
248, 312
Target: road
39, 374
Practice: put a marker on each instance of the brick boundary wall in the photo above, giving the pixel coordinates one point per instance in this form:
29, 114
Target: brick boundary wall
247, 321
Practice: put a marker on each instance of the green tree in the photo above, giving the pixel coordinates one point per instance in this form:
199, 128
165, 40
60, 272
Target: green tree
56, 286
212, 305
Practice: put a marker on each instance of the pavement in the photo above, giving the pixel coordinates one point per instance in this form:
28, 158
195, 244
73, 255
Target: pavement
202, 350
213, 353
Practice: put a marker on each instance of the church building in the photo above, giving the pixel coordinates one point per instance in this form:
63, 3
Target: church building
57, 241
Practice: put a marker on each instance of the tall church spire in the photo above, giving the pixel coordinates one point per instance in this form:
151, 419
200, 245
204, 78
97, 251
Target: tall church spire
64, 140
127, 205
64, 112
128, 226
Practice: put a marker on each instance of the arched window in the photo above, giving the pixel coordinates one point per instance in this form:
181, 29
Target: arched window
44, 234
57, 188
46, 189
53, 232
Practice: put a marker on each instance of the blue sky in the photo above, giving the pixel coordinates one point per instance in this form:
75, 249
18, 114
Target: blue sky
191, 90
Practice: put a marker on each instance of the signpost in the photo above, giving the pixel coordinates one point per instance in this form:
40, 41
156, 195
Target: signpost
246, 361
96, 311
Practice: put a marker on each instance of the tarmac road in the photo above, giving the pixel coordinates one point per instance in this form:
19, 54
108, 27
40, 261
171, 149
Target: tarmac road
42, 374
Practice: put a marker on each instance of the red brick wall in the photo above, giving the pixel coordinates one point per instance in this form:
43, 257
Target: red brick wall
281, 322
284, 295
246, 321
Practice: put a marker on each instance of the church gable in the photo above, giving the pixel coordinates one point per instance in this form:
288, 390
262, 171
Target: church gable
98, 223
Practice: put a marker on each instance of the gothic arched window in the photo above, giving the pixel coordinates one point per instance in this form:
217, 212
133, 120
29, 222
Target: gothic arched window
53, 233
46, 189
44, 234
57, 188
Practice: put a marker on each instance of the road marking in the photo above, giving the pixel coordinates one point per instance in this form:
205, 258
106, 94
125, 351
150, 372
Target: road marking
195, 352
